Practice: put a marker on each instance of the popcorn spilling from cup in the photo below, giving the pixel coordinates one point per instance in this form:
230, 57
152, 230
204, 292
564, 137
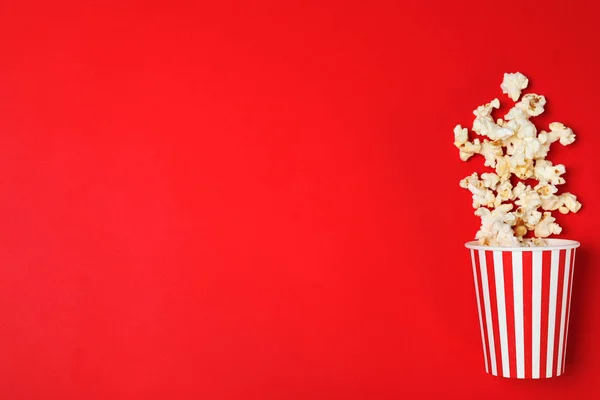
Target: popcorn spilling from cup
513, 147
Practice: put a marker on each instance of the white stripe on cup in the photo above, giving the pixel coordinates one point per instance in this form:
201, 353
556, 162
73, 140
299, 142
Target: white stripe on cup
479, 309
517, 262
552, 311
488, 310
500, 301
536, 315
563, 312
569, 308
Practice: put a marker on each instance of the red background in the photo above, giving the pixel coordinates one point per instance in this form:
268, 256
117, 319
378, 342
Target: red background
259, 200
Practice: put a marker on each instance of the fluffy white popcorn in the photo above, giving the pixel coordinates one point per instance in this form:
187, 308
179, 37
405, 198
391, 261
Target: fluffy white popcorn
491, 151
545, 189
523, 151
490, 180
529, 199
496, 226
461, 136
503, 168
516, 113
518, 189
545, 143
482, 196
523, 171
513, 84
570, 202
484, 123
468, 149
547, 226
532, 104
514, 147
544, 171
486, 109
562, 133
504, 191
529, 217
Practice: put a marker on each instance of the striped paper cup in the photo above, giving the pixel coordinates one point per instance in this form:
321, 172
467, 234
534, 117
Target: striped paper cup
524, 298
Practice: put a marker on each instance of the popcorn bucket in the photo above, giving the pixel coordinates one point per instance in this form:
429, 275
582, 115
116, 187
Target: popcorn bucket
523, 299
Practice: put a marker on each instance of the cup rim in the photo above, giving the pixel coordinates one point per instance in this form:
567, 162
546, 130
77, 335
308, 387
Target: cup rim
553, 244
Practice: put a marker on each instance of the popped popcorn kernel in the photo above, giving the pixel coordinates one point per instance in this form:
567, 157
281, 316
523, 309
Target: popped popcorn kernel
547, 226
512, 84
532, 104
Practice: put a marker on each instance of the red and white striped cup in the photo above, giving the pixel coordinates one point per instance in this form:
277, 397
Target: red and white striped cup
524, 298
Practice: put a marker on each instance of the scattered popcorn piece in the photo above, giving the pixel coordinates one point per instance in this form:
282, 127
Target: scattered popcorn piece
486, 109
491, 151
518, 189
547, 226
461, 136
562, 133
484, 123
523, 171
482, 196
520, 229
530, 216
503, 168
551, 203
496, 226
529, 199
516, 113
544, 171
512, 84
545, 189
504, 191
532, 104
469, 149
570, 202
490, 180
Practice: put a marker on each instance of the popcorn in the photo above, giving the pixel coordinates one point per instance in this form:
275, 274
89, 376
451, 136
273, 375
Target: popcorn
513, 146
562, 133
547, 226
532, 104
482, 196
490, 180
523, 171
513, 84
503, 168
549, 200
517, 190
570, 202
529, 199
461, 136
496, 226
516, 113
484, 123
545, 171
504, 191
491, 151
468, 149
